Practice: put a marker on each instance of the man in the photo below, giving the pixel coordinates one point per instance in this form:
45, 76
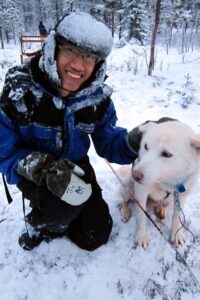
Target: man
48, 110
42, 29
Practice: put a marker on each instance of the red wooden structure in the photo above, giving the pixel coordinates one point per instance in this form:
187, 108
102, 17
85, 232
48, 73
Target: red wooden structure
30, 39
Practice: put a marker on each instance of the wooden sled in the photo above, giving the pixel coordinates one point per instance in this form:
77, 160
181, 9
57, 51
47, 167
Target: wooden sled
30, 39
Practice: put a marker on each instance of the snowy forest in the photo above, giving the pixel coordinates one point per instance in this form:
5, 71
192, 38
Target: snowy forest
179, 20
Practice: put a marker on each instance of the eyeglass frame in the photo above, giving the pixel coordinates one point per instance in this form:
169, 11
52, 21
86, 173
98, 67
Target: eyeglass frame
72, 52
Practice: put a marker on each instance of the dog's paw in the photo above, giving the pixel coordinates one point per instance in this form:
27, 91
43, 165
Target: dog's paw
142, 240
178, 238
125, 214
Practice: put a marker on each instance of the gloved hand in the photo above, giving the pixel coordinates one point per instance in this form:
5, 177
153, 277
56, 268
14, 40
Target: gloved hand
63, 180
34, 167
62, 177
135, 136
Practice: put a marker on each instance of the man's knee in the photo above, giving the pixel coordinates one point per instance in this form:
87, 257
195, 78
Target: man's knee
100, 238
93, 238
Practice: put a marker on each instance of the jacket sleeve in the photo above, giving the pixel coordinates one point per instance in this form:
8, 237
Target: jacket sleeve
110, 141
11, 149
11, 145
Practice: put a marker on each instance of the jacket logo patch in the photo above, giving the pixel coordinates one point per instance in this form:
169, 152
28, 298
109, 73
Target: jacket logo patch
87, 128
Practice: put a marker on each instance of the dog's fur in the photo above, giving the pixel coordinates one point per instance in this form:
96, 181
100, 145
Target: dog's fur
169, 155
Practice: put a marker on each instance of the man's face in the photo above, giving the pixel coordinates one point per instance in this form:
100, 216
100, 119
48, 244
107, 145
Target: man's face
75, 66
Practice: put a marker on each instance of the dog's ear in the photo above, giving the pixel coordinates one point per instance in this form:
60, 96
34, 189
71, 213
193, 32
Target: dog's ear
145, 126
195, 143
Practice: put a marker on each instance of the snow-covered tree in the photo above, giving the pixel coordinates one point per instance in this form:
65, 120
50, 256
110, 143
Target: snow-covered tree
10, 19
133, 19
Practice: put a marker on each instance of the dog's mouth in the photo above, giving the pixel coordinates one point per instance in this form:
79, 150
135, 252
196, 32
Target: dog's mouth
138, 181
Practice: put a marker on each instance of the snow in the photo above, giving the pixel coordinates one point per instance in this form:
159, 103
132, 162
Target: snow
118, 270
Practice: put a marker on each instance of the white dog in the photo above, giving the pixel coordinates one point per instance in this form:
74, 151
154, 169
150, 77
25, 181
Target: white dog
168, 163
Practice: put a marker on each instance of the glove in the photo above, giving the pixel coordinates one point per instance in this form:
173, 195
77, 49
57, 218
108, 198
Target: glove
63, 180
62, 177
135, 136
34, 167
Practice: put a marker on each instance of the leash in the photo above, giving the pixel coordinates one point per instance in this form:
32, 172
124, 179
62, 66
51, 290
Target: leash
179, 256
8, 196
179, 210
132, 197
24, 213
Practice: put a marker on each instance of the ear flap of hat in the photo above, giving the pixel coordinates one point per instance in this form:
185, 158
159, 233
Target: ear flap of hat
47, 60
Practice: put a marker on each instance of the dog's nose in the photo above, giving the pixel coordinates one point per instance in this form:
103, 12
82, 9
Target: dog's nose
138, 175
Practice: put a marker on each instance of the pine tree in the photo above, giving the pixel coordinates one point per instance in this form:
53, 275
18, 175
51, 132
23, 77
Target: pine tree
134, 21
137, 19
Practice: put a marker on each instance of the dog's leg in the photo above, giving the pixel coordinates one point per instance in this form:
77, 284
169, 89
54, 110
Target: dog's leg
125, 197
160, 211
125, 210
177, 236
141, 195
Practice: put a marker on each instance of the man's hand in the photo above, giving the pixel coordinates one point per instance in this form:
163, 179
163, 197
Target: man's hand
64, 180
62, 177
35, 166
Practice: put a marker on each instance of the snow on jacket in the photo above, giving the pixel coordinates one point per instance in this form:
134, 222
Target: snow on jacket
33, 117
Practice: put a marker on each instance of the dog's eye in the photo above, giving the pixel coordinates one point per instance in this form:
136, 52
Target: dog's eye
166, 154
146, 147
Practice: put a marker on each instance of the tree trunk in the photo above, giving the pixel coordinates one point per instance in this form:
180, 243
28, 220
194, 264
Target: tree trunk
57, 13
113, 21
120, 21
153, 41
7, 36
120, 26
14, 36
1, 38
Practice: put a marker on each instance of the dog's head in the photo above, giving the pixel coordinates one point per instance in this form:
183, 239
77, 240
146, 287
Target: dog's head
169, 153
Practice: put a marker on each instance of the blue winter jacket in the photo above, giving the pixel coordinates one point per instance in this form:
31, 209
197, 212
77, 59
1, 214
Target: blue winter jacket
33, 117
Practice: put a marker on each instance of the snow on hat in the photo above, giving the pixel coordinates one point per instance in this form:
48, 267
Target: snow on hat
86, 32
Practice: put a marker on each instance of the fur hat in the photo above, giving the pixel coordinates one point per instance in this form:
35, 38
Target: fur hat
84, 31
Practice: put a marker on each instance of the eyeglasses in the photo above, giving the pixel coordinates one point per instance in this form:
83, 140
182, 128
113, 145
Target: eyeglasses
73, 52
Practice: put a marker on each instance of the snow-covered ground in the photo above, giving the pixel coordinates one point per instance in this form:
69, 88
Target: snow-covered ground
59, 270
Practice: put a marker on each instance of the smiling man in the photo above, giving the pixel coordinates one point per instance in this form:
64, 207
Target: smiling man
50, 110
74, 66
